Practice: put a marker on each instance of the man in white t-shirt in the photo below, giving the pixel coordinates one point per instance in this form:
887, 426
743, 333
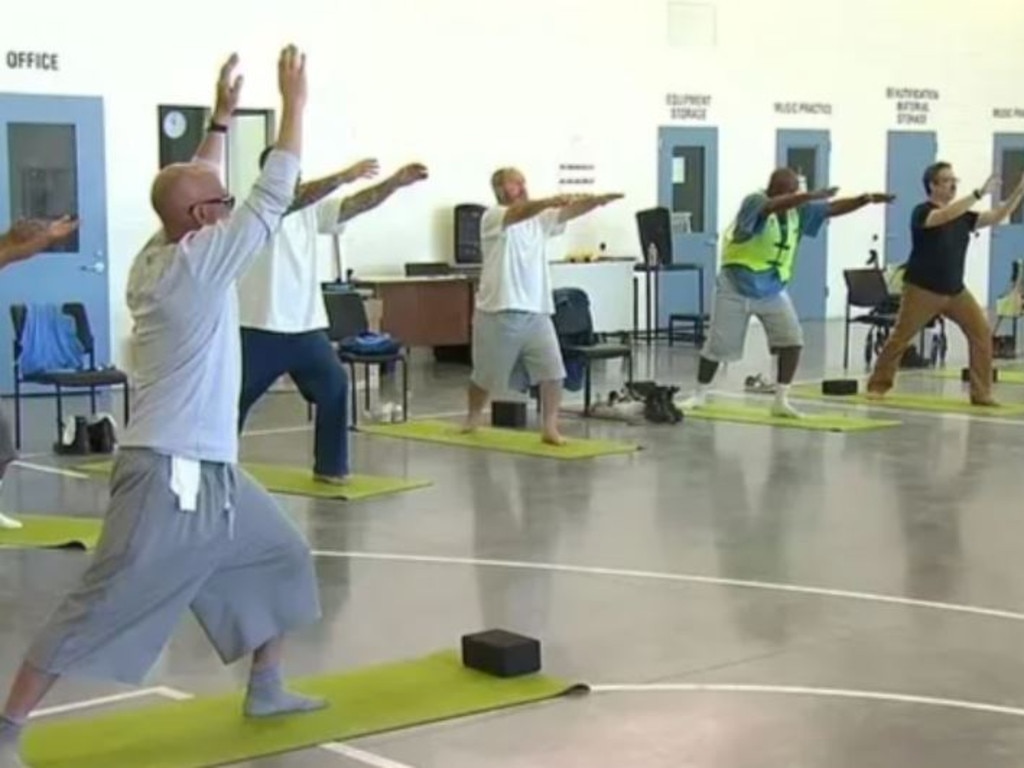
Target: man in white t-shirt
513, 331
282, 313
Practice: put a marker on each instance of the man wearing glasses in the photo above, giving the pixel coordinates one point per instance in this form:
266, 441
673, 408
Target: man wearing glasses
186, 528
933, 285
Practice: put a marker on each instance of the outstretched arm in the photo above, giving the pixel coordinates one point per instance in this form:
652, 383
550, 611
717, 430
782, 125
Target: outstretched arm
31, 236
585, 205
313, 192
518, 212
369, 198
1001, 213
958, 208
783, 203
845, 205
211, 151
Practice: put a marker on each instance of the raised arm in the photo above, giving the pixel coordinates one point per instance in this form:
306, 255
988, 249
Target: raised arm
229, 89
1002, 212
314, 191
958, 208
31, 236
369, 198
218, 254
585, 205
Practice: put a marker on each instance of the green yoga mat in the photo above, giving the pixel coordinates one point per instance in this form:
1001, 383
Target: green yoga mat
210, 731
915, 402
820, 422
526, 442
1005, 376
44, 532
298, 481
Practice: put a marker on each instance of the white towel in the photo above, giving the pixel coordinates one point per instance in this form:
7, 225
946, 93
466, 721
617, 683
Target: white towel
185, 482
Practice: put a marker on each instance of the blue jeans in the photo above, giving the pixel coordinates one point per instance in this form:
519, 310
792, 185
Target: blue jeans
314, 366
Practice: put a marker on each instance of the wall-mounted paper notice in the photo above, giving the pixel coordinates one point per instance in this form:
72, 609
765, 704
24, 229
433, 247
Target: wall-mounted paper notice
678, 170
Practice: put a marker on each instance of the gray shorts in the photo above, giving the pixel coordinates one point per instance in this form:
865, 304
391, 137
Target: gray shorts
513, 350
730, 318
236, 561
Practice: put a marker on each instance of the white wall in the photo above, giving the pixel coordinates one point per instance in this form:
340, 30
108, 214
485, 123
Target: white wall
467, 85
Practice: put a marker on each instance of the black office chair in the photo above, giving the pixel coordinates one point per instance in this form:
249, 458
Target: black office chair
866, 288
346, 315
87, 377
574, 326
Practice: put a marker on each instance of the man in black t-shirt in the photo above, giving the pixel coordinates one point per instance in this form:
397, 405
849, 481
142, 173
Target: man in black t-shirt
941, 229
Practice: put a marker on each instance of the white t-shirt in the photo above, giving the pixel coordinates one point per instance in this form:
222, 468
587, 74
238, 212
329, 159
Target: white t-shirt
515, 274
280, 291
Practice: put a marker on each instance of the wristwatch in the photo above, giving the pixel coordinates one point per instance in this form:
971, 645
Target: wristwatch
215, 127
977, 194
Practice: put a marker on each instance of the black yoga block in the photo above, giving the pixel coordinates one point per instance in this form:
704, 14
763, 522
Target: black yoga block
839, 387
965, 374
501, 653
508, 414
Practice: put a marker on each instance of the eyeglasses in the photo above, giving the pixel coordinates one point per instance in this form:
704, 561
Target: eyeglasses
226, 200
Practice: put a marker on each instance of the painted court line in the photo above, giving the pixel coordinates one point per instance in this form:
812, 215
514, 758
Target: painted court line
360, 756
97, 702
337, 748
835, 693
52, 470
874, 597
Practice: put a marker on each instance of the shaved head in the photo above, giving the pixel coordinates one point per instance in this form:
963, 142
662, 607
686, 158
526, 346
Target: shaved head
783, 181
188, 196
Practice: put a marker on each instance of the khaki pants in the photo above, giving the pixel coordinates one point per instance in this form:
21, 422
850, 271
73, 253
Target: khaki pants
917, 307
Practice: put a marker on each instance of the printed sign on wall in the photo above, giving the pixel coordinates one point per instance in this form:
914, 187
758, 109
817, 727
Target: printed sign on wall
46, 61
913, 105
688, 107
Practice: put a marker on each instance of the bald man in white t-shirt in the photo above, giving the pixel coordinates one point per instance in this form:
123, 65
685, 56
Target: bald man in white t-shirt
282, 314
513, 328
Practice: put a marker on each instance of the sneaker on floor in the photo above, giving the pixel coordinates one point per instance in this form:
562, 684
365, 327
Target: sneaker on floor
9, 523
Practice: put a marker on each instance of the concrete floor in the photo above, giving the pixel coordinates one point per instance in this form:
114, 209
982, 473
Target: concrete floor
739, 596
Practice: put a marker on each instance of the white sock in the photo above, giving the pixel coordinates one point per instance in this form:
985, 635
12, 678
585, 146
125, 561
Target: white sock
8, 522
698, 398
782, 406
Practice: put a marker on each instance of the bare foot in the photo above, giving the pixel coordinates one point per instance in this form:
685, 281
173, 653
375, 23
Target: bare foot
333, 479
470, 425
871, 395
552, 438
987, 402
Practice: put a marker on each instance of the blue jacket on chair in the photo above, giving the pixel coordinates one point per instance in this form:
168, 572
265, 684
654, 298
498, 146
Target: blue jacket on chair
49, 342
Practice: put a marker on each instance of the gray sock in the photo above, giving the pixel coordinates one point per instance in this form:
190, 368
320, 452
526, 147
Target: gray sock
267, 696
10, 742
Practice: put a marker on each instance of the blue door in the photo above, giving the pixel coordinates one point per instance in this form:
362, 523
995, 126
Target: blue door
688, 187
1008, 237
52, 163
808, 153
909, 153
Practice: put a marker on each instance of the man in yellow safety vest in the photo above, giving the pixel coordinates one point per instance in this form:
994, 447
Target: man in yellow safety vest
757, 265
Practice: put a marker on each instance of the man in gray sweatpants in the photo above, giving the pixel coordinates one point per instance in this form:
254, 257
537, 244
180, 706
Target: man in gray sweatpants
186, 528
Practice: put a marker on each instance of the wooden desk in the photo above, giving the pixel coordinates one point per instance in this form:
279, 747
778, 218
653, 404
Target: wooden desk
428, 311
